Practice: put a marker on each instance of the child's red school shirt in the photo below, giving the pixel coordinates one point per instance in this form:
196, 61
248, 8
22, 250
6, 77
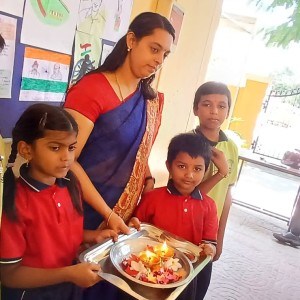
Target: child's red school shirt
192, 217
49, 230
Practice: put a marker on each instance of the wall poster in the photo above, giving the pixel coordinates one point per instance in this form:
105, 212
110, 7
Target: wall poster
107, 19
53, 19
45, 75
86, 56
8, 27
13, 7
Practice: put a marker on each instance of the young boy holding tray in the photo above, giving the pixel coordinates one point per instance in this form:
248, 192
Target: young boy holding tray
179, 207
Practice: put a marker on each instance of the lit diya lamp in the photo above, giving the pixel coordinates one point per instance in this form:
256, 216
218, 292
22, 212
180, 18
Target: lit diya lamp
164, 251
149, 258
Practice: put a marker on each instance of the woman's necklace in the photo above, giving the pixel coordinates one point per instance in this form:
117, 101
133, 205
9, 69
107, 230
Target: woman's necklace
119, 88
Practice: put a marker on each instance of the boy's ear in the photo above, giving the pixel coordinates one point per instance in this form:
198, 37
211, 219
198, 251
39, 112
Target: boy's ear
24, 150
227, 114
195, 111
168, 166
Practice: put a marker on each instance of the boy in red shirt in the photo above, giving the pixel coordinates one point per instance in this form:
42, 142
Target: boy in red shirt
179, 207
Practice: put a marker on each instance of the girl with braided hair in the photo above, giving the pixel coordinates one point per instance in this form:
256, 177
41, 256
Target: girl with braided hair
42, 222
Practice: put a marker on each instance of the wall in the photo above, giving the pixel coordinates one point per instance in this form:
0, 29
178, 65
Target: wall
234, 93
183, 72
247, 107
142, 5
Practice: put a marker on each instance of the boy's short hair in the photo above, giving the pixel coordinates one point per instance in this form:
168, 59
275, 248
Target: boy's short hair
193, 144
209, 88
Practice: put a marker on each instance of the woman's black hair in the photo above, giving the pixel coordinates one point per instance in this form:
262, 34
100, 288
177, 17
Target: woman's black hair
209, 88
143, 25
31, 126
193, 144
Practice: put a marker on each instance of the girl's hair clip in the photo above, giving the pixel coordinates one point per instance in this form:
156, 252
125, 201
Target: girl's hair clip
43, 121
10, 165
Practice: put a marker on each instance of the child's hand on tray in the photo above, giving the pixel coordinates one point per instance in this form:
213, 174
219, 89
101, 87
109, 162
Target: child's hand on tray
207, 249
83, 274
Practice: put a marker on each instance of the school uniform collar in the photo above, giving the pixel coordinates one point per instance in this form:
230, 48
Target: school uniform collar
35, 184
196, 194
222, 136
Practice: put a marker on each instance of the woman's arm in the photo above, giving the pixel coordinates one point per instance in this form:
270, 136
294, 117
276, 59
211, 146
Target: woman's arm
90, 194
18, 276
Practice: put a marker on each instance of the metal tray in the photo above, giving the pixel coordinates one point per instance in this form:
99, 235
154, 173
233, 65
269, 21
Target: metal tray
100, 254
124, 249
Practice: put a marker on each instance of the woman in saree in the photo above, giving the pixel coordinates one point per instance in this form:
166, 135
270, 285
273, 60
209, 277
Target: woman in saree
119, 114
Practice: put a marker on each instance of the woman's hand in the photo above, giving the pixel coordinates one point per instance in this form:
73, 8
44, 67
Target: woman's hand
134, 222
207, 249
97, 236
117, 224
220, 161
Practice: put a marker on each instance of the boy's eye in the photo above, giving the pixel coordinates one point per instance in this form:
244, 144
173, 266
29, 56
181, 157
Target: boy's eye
181, 166
206, 104
198, 169
54, 148
72, 148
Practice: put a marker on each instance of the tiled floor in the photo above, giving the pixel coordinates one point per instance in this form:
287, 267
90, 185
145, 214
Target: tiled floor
253, 264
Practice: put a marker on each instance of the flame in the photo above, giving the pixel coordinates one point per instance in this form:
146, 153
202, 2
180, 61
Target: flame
164, 247
148, 253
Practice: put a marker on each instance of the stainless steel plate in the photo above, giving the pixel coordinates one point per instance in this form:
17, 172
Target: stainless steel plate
124, 249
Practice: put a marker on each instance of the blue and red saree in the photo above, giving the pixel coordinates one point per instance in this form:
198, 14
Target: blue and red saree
116, 153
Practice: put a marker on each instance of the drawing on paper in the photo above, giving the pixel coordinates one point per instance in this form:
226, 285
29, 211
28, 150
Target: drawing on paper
45, 75
56, 75
83, 65
118, 15
34, 72
51, 12
92, 17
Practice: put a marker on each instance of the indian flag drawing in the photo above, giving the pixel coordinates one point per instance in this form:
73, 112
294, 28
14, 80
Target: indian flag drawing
45, 75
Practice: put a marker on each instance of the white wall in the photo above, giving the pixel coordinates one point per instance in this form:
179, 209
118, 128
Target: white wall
183, 72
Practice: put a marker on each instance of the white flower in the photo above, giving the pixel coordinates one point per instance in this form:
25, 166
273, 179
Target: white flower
173, 263
138, 266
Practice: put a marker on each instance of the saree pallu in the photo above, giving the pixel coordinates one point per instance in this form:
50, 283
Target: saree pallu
116, 154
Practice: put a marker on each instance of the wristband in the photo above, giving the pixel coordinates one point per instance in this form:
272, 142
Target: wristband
222, 175
149, 178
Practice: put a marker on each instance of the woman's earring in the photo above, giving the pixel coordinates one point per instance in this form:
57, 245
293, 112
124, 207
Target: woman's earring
128, 49
27, 163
